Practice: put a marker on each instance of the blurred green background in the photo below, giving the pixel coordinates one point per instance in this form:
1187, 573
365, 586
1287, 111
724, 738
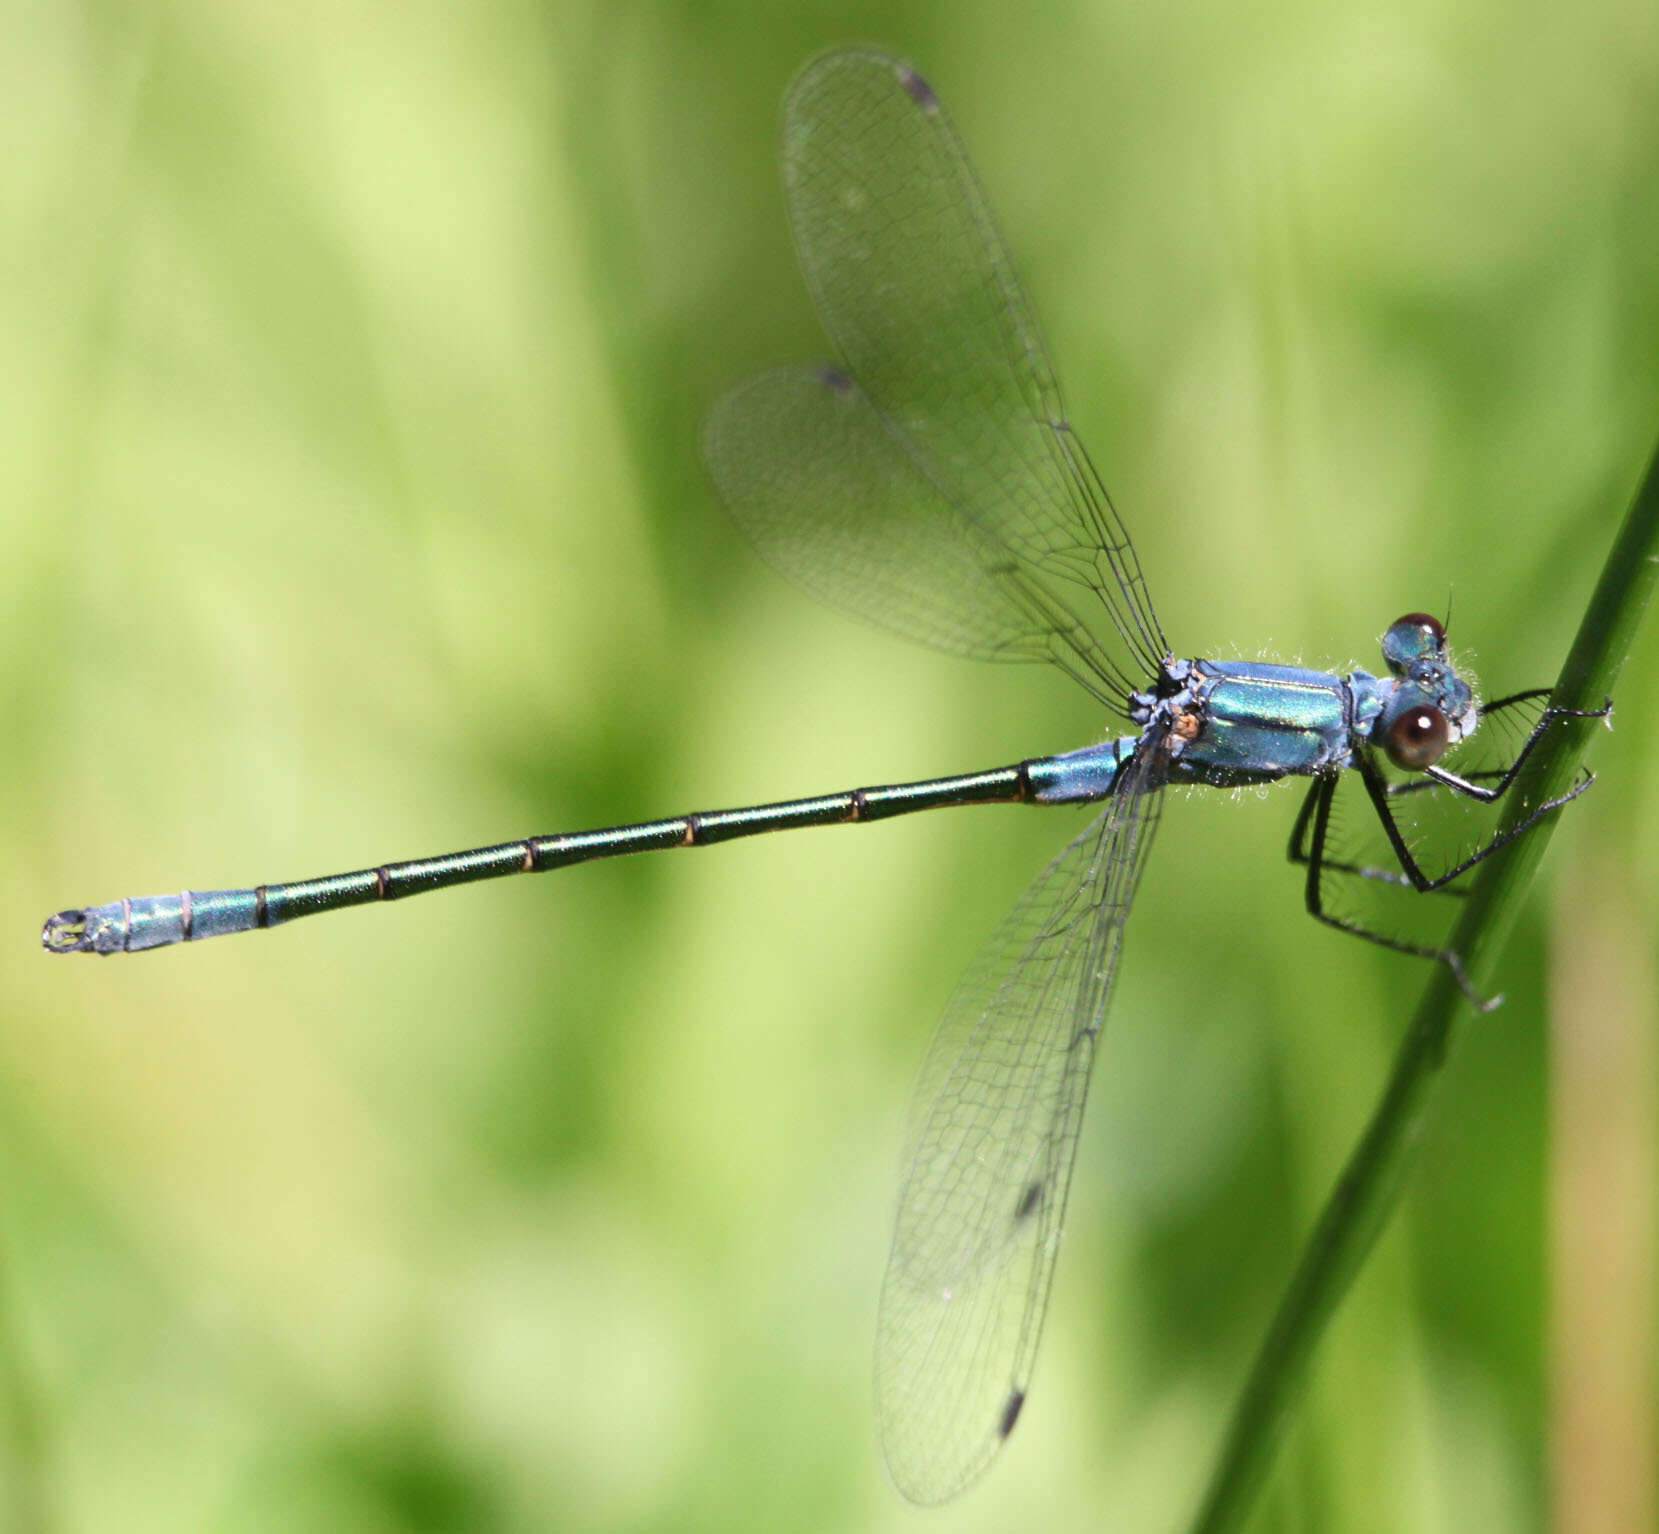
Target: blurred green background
353, 360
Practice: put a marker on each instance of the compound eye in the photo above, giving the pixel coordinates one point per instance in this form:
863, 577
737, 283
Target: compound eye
1418, 738
1423, 621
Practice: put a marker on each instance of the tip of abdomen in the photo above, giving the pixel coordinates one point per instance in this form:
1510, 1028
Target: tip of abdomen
66, 932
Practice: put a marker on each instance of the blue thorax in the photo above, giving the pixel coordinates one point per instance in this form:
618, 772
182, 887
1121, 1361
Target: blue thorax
1229, 724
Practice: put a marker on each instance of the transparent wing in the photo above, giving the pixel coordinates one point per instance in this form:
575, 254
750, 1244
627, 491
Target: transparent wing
834, 500
998, 1107
916, 290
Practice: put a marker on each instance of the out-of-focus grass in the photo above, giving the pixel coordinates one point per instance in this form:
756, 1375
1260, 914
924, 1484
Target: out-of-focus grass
354, 358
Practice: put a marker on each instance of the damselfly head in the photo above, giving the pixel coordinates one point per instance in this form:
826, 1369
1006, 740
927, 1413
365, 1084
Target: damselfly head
1432, 707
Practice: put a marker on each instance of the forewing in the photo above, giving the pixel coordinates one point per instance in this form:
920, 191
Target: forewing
917, 291
997, 1112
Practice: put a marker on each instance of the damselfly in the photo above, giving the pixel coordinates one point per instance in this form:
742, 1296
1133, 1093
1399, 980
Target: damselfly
929, 481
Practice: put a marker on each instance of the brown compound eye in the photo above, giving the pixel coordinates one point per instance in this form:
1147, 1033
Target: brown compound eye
1426, 621
1418, 738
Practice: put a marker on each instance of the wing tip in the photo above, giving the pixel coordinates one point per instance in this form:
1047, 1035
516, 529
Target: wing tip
868, 56
917, 88
1010, 1412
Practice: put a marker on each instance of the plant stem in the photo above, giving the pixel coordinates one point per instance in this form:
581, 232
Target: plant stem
1370, 1184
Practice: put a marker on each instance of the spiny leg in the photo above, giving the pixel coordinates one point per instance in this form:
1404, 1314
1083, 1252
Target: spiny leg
1317, 806
1378, 788
1497, 775
1470, 785
1501, 775
1298, 852
1467, 785
1315, 812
